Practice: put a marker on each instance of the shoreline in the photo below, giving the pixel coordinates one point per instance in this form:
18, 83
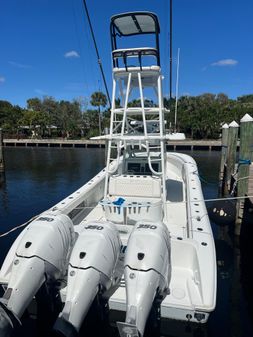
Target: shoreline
212, 145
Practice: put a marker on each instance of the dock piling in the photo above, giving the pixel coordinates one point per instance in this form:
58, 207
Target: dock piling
245, 159
224, 147
231, 154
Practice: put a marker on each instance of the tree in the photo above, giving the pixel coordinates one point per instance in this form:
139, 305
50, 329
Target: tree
98, 99
30, 118
34, 104
70, 118
9, 117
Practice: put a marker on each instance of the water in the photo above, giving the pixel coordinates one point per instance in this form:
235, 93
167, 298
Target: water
37, 178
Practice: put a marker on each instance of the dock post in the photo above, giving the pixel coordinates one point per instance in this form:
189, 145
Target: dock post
245, 159
231, 154
1, 152
224, 147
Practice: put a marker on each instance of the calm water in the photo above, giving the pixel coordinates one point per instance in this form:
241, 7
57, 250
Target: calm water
37, 178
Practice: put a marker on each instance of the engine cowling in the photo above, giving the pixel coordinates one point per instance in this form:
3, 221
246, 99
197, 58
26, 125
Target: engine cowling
147, 272
93, 267
41, 252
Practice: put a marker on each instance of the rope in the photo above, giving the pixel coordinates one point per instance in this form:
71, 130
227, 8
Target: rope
203, 179
207, 182
236, 181
229, 198
29, 221
17, 227
192, 201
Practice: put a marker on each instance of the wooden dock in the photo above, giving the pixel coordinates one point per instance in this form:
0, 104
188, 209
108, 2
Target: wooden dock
211, 145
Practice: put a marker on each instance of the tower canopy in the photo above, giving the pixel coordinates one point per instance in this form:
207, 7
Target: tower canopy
135, 23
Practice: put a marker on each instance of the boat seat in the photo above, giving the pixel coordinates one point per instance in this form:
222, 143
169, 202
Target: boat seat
135, 186
139, 53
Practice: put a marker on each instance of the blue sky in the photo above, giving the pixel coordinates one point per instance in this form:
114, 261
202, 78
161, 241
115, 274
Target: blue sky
47, 50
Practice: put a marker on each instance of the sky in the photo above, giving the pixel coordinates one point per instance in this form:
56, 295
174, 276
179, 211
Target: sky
46, 47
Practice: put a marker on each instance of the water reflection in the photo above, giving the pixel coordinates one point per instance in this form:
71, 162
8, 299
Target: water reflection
3, 192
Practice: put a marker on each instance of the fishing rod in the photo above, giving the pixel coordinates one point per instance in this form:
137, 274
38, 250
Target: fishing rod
96, 48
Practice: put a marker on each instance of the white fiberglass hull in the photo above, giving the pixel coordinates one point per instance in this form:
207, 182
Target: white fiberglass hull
193, 262
192, 294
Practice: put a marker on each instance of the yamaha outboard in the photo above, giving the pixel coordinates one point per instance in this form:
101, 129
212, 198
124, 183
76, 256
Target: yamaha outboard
39, 254
147, 271
94, 267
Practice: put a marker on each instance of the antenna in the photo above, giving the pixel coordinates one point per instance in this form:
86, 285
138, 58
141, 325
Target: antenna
96, 48
177, 81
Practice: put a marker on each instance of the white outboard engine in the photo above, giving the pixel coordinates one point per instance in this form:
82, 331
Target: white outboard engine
94, 267
41, 252
147, 271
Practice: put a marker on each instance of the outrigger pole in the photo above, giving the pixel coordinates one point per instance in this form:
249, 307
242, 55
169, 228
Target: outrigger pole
96, 48
170, 49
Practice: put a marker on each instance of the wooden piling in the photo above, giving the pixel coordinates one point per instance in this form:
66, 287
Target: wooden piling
231, 154
1, 152
245, 159
224, 146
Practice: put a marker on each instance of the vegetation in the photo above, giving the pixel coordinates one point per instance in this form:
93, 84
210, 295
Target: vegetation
199, 117
98, 99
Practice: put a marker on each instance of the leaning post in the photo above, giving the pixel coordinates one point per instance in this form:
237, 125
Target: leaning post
224, 147
1, 152
231, 153
245, 159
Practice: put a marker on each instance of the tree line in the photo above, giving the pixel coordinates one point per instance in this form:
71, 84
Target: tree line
199, 117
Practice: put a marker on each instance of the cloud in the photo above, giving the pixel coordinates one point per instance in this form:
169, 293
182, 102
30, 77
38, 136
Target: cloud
71, 54
20, 65
2, 79
40, 92
75, 86
225, 63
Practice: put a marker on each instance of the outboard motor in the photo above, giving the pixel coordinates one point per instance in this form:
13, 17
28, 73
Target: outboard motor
40, 253
94, 267
147, 271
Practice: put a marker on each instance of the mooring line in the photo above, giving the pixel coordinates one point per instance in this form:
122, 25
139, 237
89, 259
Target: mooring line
29, 221
228, 198
17, 227
201, 200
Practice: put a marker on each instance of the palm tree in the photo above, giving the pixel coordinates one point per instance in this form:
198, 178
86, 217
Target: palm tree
98, 99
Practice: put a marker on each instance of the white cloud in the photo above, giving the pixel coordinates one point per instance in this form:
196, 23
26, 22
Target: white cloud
225, 63
19, 65
2, 79
74, 86
40, 92
71, 54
